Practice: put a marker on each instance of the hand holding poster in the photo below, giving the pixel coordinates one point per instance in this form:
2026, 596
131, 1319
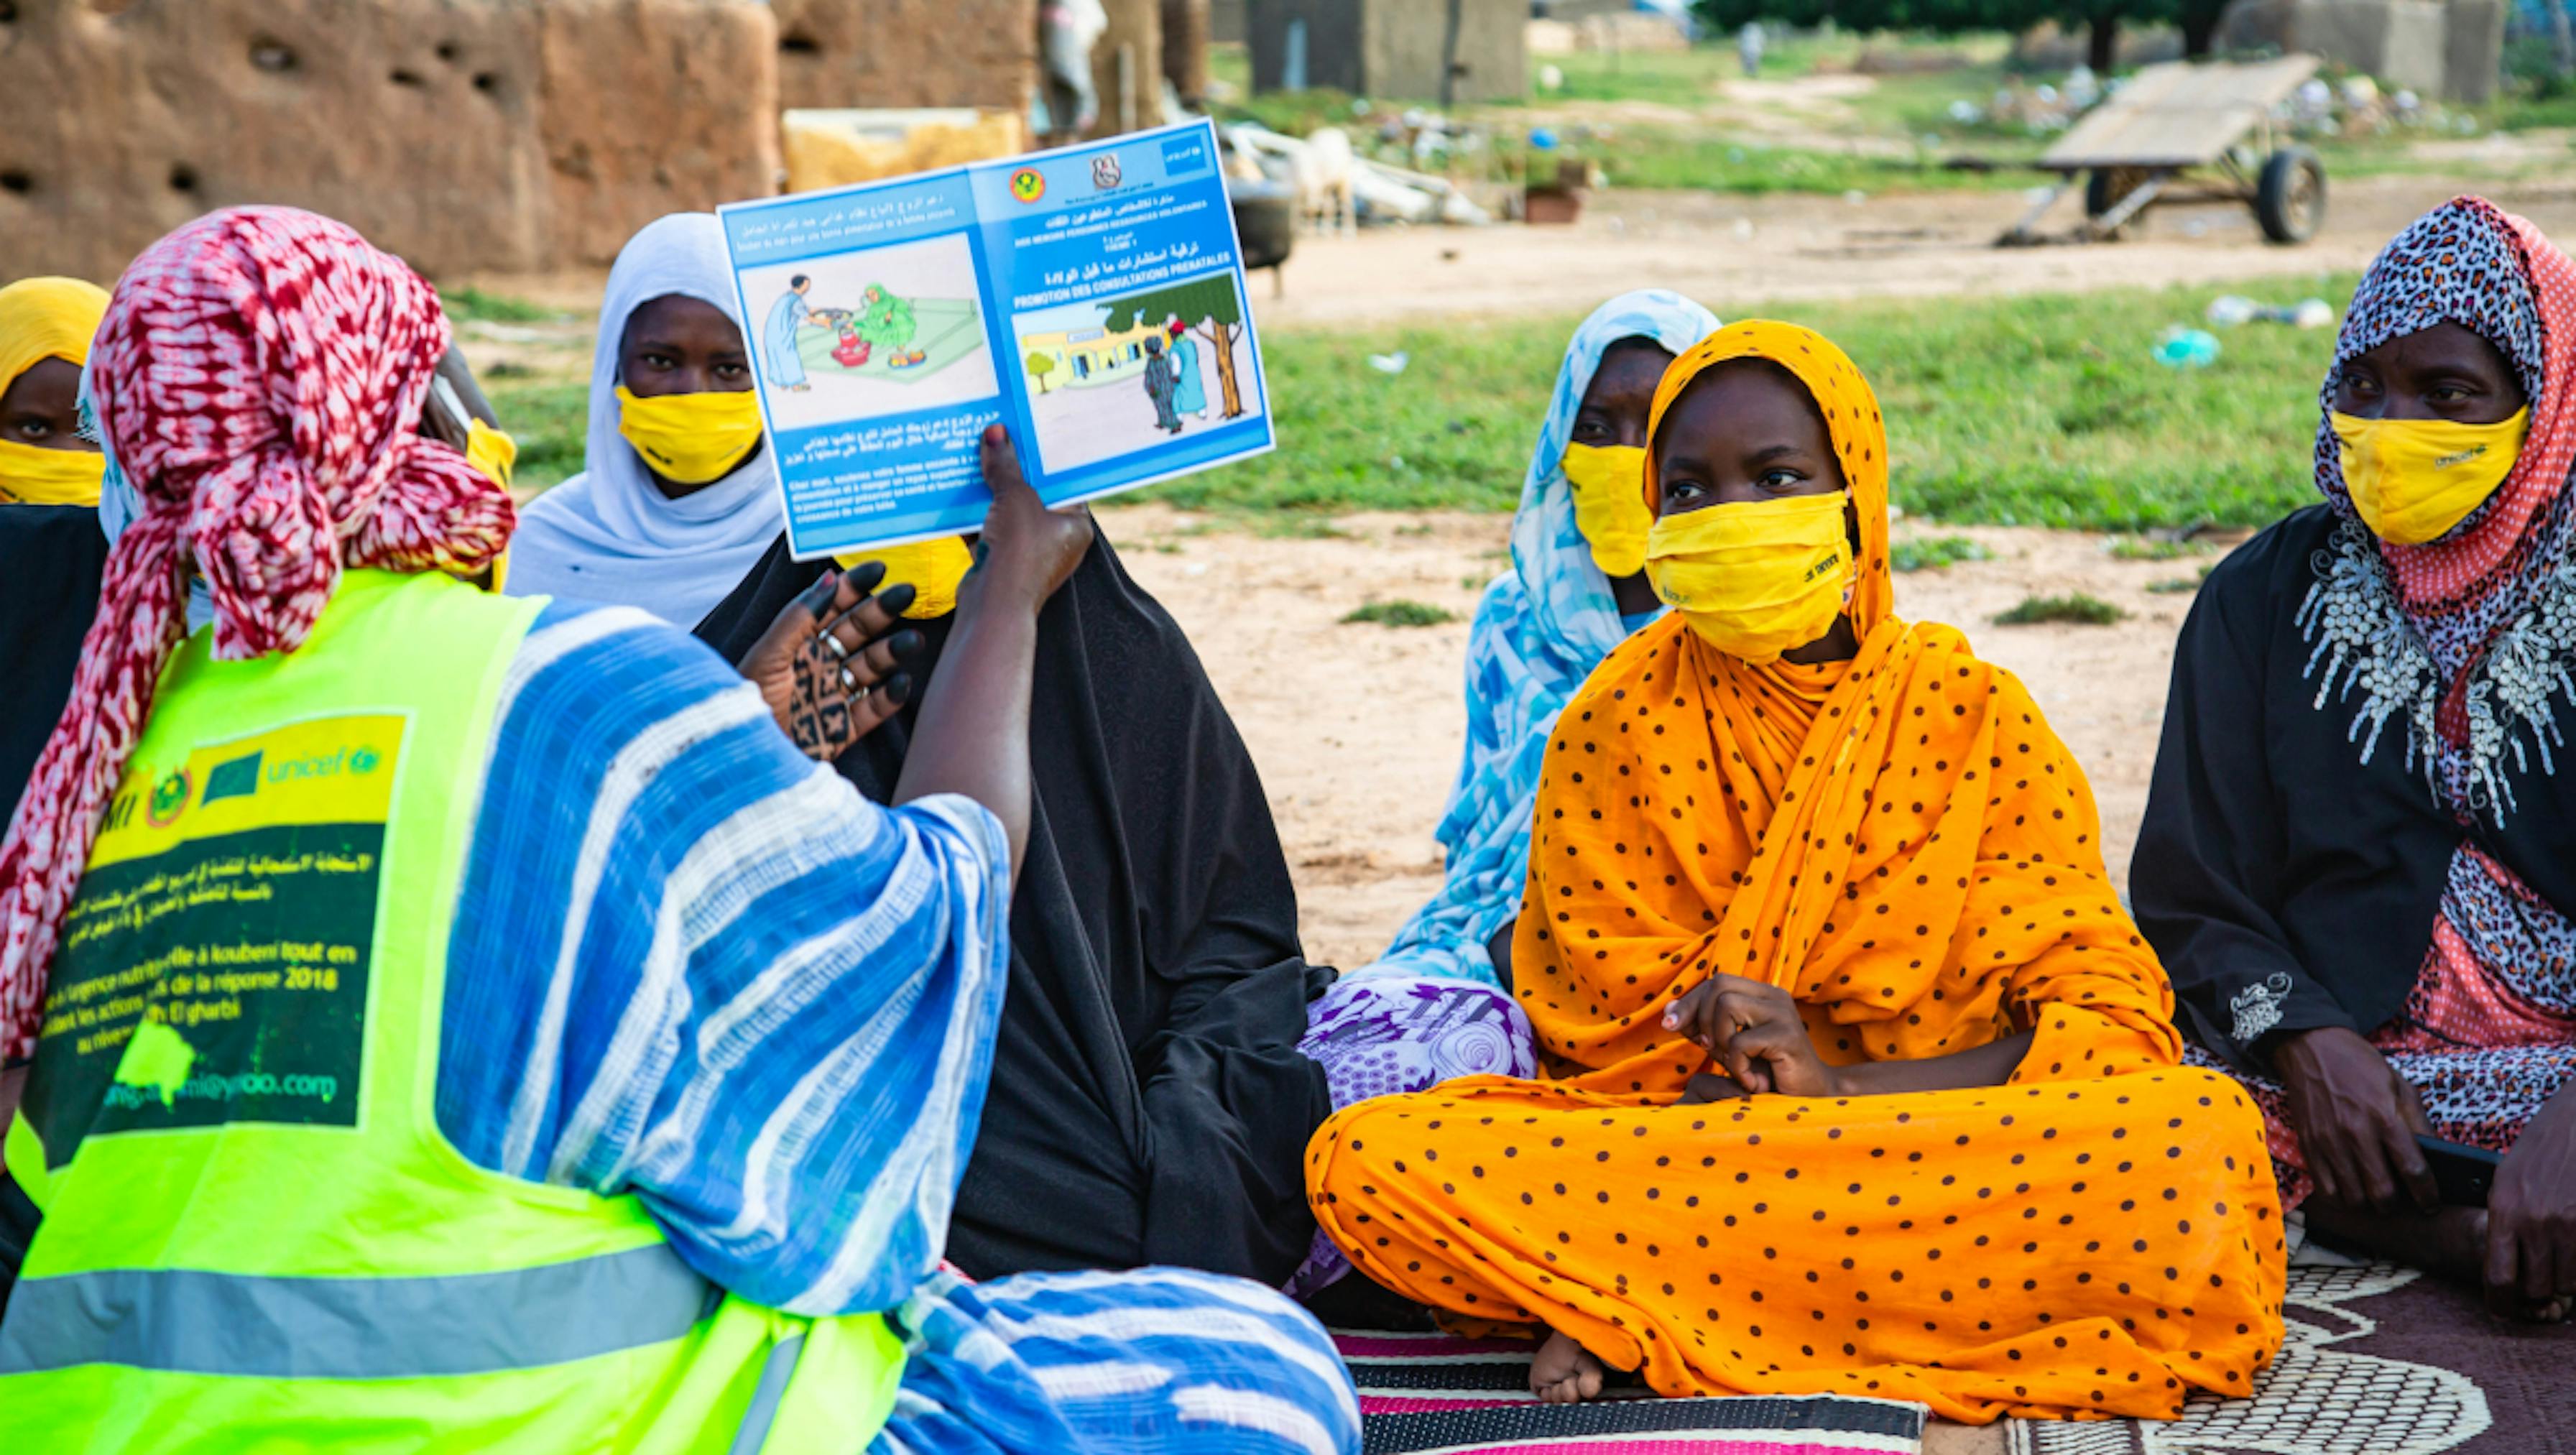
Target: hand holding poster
1091, 299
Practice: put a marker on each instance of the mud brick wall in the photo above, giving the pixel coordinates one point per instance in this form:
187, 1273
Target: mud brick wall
500, 135
878, 54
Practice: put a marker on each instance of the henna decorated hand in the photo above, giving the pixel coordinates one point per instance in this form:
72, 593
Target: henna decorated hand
827, 666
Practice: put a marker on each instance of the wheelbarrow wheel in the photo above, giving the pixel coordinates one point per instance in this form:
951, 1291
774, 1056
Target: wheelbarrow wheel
2105, 186
2290, 197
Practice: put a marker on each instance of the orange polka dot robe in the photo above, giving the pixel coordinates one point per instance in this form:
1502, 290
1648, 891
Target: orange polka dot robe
1902, 843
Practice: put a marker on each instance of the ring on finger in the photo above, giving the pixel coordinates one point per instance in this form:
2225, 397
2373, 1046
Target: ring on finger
832, 642
850, 683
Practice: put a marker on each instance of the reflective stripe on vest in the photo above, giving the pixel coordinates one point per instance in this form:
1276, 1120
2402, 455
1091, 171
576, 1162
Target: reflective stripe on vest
185, 1321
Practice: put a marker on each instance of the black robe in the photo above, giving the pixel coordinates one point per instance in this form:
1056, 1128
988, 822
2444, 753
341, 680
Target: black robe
2270, 849
51, 557
1148, 1101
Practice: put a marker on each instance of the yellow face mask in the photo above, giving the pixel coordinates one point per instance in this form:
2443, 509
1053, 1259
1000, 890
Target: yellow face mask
2412, 480
491, 451
691, 439
1758, 579
1610, 504
32, 475
934, 568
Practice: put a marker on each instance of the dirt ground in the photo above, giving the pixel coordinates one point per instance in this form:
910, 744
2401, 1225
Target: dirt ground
1728, 251
1356, 727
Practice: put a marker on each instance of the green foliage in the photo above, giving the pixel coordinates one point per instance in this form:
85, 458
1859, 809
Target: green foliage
1402, 613
549, 421
1298, 526
1654, 157
2150, 548
1975, 391
1207, 300
1931, 553
473, 305
2076, 609
1039, 366
2181, 585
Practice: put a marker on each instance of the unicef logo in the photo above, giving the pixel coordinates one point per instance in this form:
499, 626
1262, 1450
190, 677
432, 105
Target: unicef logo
362, 760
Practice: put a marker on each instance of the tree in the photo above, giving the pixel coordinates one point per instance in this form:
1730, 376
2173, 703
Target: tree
1039, 366
1212, 311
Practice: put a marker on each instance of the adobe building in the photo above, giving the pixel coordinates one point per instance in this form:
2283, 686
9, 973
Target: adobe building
511, 136
1393, 50
2442, 50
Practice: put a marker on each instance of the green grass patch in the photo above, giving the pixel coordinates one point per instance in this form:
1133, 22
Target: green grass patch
2150, 548
1402, 613
2076, 609
1296, 527
549, 421
1931, 553
1979, 395
2181, 585
1654, 157
473, 305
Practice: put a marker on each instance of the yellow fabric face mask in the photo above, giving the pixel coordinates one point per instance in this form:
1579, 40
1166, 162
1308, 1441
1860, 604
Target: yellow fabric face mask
1758, 579
2412, 480
691, 439
491, 451
935, 569
32, 475
1610, 504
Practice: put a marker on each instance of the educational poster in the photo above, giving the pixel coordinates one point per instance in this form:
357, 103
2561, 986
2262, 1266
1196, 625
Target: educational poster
1091, 299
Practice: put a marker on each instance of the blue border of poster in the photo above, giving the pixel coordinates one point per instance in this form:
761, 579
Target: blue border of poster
1055, 238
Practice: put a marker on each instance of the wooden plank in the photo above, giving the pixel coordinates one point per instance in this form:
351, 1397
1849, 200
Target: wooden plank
2178, 114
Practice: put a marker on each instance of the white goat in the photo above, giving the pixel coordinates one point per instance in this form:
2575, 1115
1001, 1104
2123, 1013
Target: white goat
1324, 169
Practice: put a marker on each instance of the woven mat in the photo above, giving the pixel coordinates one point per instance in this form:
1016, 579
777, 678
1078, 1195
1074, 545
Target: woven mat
1432, 1394
2380, 1360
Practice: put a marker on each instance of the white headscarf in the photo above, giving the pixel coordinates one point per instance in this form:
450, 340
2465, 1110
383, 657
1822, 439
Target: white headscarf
609, 534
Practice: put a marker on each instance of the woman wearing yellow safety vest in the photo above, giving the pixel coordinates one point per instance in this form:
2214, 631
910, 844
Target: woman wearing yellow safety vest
455, 1022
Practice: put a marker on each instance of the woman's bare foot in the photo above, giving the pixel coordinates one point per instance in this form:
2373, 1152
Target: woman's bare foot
1563, 1372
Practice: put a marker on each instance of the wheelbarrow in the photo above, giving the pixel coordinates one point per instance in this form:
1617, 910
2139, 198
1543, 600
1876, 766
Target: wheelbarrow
2143, 145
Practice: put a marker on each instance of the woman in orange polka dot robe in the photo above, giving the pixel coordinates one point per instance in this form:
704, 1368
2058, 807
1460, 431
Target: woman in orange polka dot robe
1863, 883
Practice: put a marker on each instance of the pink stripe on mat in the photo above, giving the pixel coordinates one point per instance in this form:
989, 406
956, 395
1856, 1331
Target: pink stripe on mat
1691, 1445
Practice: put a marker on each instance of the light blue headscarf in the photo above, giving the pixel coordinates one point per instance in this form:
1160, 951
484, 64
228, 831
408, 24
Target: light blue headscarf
120, 504
1542, 628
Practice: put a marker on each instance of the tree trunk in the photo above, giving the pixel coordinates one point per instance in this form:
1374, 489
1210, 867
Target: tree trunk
1223, 337
2102, 44
2199, 30
2562, 38
1449, 54
1134, 85
1185, 50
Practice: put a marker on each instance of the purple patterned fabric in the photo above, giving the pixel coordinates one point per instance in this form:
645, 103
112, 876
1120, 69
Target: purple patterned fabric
1399, 1034
1387, 1037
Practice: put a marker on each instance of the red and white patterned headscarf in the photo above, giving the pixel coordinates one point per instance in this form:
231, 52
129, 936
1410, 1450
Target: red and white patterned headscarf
258, 381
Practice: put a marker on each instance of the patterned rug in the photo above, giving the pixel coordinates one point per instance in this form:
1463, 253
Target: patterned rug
1432, 1394
2381, 1360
